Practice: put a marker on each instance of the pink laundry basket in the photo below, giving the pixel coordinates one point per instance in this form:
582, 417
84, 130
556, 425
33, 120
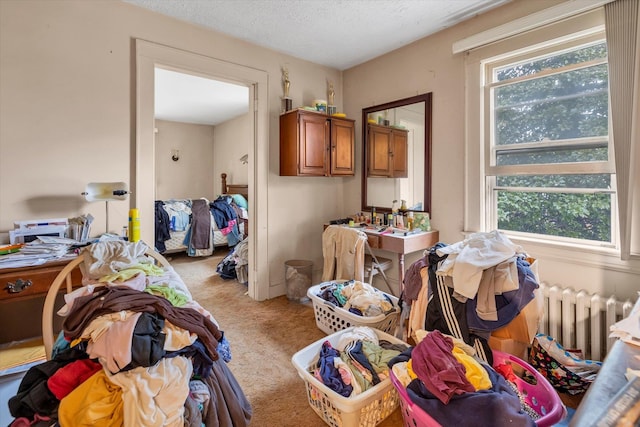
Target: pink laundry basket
541, 396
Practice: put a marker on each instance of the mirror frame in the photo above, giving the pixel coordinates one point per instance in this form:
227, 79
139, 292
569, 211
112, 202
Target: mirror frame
427, 98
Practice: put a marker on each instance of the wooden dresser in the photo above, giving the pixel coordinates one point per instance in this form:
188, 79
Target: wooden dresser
21, 311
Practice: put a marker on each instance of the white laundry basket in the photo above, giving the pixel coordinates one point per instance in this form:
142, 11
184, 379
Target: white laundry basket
367, 409
331, 318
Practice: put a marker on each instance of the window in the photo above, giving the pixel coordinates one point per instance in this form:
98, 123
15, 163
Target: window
548, 161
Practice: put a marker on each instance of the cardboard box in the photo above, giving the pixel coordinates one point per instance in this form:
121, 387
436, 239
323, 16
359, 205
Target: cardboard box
524, 326
511, 346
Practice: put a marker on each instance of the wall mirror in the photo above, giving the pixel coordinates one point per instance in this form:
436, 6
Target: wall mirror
413, 115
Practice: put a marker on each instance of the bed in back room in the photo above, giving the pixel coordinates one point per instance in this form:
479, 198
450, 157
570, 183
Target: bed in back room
198, 226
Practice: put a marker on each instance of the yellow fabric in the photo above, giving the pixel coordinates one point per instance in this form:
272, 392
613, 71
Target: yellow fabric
410, 370
21, 353
475, 373
128, 273
76, 342
95, 402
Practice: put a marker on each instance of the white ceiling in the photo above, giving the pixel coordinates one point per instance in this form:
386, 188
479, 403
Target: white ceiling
335, 33
191, 99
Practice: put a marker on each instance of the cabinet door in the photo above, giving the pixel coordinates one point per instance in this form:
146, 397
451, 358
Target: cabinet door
379, 148
342, 147
399, 144
314, 145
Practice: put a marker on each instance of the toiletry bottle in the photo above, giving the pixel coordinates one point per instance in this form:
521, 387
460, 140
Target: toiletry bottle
373, 216
403, 206
134, 225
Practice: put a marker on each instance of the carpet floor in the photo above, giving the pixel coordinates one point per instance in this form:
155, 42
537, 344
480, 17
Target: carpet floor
263, 337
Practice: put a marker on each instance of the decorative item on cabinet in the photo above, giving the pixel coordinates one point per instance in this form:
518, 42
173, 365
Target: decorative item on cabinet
321, 105
331, 93
286, 85
387, 148
314, 144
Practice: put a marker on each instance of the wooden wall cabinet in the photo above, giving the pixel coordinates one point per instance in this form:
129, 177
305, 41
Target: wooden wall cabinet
387, 148
314, 144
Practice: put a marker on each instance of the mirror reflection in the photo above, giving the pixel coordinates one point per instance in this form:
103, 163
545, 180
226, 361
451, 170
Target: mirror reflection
397, 155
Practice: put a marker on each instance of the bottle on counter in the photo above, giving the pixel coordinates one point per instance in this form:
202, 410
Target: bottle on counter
410, 220
403, 207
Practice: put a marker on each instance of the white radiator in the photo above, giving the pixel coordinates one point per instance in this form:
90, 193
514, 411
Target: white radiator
579, 320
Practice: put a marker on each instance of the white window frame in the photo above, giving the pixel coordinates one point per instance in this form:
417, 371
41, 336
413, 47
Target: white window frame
491, 170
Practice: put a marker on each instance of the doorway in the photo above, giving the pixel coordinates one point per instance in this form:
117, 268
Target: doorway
148, 57
202, 130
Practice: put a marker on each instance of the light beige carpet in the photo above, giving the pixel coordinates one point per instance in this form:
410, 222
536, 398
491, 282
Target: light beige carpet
263, 337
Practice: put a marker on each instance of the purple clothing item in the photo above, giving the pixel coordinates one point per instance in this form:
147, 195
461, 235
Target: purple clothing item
434, 363
498, 406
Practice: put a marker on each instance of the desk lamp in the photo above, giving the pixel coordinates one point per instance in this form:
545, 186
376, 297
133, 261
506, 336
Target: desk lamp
105, 192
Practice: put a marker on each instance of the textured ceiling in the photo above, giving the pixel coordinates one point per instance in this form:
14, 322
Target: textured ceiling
335, 33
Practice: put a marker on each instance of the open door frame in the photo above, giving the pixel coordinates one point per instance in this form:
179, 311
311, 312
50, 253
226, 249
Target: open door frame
148, 56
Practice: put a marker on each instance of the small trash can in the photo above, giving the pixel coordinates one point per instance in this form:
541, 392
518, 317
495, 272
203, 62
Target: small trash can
297, 274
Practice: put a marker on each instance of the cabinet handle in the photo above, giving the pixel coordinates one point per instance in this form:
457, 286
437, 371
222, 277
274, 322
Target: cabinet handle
19, 286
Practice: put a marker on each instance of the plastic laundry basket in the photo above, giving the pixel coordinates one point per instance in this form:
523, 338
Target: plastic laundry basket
298, 273
331, 318
367, 409
540, 396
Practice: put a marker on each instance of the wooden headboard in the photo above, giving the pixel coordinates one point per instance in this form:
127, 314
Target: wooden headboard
234, 188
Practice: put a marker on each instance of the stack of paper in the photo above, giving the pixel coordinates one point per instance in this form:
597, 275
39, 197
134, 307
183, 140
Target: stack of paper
39, 251
80, 227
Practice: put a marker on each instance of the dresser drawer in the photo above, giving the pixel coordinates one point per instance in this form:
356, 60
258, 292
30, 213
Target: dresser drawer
37, 279
374, 241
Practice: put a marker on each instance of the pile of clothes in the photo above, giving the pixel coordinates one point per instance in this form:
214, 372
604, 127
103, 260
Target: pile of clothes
469, 289
445, 379
357, 362
357, 297
235, 265
136, 349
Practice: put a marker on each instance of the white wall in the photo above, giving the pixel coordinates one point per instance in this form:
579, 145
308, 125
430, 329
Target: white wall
191, 177
232, 140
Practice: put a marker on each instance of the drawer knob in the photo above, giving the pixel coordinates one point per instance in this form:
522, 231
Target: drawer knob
19, 286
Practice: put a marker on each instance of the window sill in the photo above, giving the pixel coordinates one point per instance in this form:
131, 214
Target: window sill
592, 256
